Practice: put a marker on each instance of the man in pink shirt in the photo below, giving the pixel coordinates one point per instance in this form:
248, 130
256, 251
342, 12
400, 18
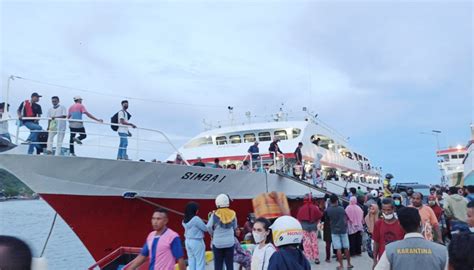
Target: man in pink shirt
162, 248
76, 125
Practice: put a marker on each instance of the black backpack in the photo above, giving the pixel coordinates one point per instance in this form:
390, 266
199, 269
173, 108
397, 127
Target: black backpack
114, 120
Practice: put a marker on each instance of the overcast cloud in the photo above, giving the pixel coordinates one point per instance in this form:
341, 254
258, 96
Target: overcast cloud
379, 72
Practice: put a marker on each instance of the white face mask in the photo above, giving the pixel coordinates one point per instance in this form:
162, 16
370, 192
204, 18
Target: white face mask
471, 229
259, 237
387, 217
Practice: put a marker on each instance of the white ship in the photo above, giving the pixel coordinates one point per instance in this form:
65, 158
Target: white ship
107, 202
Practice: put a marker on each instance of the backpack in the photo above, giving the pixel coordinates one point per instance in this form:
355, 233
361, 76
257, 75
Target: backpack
114, 120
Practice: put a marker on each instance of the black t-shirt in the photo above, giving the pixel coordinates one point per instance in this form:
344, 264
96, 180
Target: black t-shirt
35, 107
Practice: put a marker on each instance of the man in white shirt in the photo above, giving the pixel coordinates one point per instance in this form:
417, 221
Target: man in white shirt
123, 117
56, 126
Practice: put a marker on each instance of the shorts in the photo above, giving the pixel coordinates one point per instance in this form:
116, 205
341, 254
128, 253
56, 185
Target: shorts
340, 241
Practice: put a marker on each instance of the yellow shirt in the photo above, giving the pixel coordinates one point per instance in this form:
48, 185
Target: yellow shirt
386, 191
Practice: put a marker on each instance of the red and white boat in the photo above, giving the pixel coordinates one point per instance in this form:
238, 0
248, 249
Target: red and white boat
108, 203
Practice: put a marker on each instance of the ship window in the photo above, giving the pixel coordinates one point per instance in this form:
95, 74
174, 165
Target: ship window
296, 132
250, 137
199, 142
454, 156
461, 156
264, 136
235, 139
281, 134
445, 157
221, 140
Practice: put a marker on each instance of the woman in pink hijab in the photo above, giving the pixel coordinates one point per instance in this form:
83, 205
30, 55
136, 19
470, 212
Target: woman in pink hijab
355, 219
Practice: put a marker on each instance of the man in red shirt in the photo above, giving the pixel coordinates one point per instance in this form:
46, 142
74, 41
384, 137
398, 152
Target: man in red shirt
386, 230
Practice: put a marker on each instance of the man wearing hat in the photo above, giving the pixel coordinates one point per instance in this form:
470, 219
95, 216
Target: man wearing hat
76, 125
27, 109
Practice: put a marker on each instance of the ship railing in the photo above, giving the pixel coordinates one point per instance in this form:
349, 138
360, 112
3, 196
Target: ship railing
145, 143
254, 160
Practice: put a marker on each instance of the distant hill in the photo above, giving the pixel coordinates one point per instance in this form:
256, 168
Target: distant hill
12, 186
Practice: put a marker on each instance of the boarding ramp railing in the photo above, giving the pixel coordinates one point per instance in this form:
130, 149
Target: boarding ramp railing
101, 141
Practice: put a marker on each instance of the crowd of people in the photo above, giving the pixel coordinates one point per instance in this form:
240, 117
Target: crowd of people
395, 237
42, 140
394, 234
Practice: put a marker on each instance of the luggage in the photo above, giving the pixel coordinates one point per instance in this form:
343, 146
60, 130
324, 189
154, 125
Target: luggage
271, 205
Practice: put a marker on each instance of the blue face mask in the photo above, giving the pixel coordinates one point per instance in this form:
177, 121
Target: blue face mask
396, 202
470, 197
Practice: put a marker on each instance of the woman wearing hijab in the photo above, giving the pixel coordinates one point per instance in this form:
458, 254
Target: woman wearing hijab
355, 218
194, 229
309, 216
370, 220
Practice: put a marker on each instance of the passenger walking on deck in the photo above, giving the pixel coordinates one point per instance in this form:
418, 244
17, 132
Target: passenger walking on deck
254, 153
370, 220
31, 108
274, 149
299, 158
386, 230
162, 247
413, 251
76, 125
340, 239
264, 249
55, 126
194, 229
428, 218
309, 216
4, 132
287, 235
221, 227
123, 132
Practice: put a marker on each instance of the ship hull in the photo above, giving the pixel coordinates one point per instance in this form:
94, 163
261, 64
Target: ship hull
88, 193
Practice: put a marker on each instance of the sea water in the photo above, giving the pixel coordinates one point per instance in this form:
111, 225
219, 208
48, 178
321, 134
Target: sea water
30, 220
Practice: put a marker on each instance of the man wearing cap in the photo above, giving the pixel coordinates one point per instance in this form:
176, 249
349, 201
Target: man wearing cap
76, 125
31, 108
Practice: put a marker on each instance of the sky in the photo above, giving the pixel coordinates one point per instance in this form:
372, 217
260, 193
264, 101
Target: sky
379, 72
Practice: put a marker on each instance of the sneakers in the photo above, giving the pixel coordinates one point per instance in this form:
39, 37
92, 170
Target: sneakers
26, 142
77, 141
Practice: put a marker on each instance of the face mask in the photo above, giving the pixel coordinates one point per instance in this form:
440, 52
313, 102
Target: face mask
259, 237
431, 203
396, 202
387, 217
471, 229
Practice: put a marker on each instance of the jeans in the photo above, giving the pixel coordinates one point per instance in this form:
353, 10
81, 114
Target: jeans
340, 241
33, 138
196, 254
81, 137
222, 255
122, 151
